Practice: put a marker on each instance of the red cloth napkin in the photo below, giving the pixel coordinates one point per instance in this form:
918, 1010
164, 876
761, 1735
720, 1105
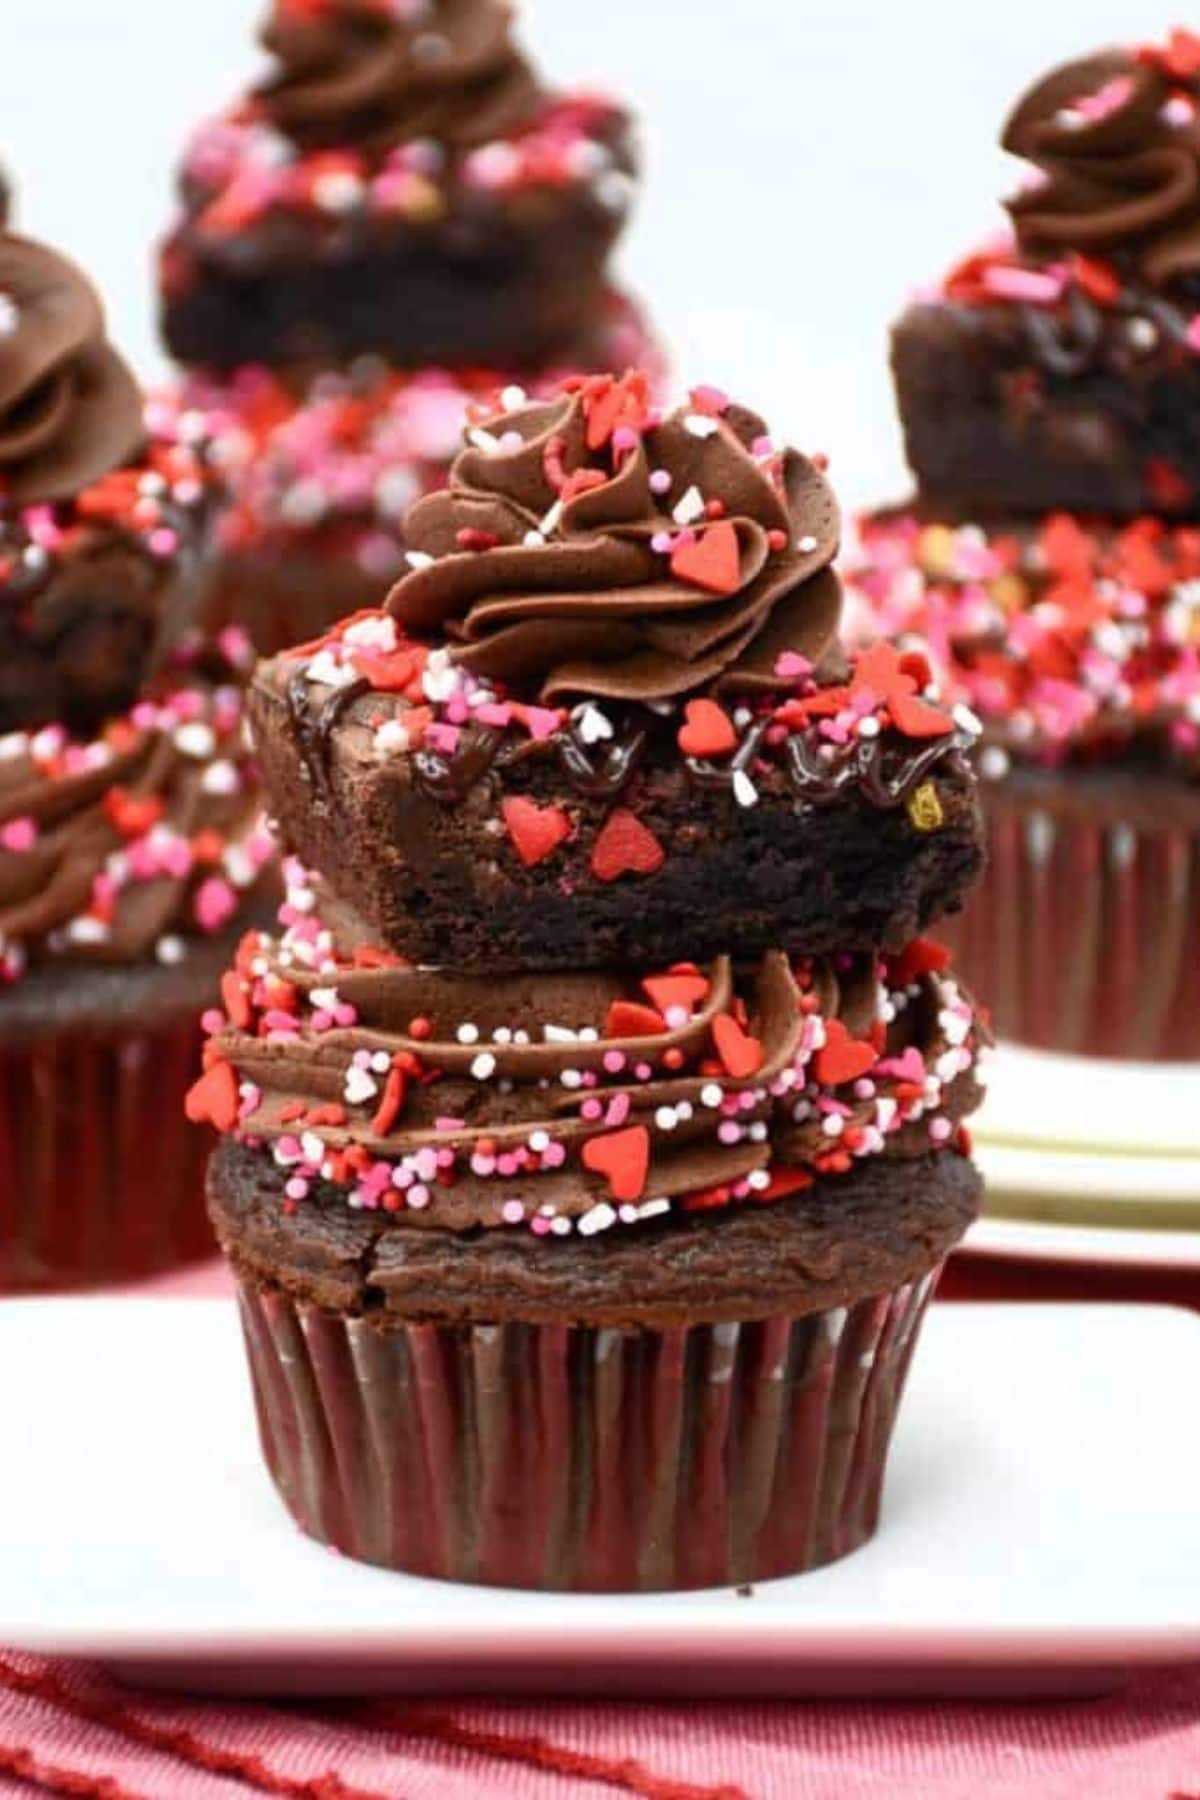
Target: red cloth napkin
66, 1729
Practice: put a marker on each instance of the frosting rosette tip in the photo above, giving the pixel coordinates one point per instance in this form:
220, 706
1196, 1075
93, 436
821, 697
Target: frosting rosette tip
376, 73
593, 546
70, 409
1115, 144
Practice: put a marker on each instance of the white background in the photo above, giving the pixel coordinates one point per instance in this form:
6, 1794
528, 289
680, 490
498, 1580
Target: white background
807, 164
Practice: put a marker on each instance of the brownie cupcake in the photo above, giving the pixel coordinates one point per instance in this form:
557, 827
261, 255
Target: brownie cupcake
1050, 559
128, 846
593, 1121
321, 469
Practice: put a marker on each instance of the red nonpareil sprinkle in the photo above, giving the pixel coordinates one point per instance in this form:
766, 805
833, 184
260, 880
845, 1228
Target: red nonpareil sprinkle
208, 847
133, 815
685, 988
289, 1114
921, 957
391, 1102
1169, 487
332, 1113
741, 1054
472, 539
707, 730
782, 1183
235, 997
387, 674
842, 1058
582, 481
374, 956
623, 1158
609, 404
214, 1099
1099, 280
536, 831
625, 847
711, 561
626, 1019
420, 1029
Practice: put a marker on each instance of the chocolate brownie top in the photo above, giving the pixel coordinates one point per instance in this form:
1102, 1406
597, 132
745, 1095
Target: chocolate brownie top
386, 117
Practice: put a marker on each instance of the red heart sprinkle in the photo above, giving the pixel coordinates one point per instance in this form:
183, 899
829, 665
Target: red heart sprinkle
686, 989
626, 1019
921, 957
842, 1058
623, 1158
709, 730
214, 1099
917, 720
712, 561
741, 1053
625, 847
536, 831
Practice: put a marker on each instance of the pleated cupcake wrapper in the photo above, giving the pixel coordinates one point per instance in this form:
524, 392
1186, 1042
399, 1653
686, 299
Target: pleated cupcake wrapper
564, 1457
101, 1176
1085, 935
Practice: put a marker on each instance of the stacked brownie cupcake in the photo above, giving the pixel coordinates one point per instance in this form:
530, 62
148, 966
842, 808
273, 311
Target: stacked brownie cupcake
1052, 559
128, 845
593, 1122
398, 222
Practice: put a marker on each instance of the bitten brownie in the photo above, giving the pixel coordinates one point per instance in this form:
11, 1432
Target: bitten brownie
593, 1123
399, 184
607, 699
1060, 369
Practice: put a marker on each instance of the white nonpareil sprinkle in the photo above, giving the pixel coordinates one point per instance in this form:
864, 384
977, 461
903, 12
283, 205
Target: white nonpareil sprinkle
467, 1034
744, 790
360, 1086
196, 740
418, 559
324, 670
221, 778
598, 1218
10, 317
170, 950
806, 545
689, 508
391, 739
484, 1066
592, 725
700, 425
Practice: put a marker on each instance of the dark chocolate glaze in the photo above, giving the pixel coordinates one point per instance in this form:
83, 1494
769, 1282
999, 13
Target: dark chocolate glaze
883, 775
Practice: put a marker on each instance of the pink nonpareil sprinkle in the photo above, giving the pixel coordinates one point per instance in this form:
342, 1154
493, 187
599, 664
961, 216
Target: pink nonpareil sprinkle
1035, 286
19, 835
216, 904
1105, 101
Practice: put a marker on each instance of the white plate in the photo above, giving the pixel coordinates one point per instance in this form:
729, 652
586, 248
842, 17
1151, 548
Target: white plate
1025, 1240
1088, 1104
1041, 1530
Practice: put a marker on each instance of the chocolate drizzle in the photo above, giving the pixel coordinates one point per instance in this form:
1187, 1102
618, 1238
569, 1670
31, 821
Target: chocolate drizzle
450, 779
883, 774
603, 776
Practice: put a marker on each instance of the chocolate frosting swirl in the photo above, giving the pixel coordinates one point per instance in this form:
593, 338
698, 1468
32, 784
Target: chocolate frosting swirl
70, 410
372, 74
381, 1061
106, 846
590, 547
1116, 139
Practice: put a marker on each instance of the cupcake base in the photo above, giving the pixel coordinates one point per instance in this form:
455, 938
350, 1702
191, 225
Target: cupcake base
566, 1458
699, 1401
101, 1176
1085, 938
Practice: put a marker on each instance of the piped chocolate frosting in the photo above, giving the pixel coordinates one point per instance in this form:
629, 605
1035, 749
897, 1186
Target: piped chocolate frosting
592, 547
372, 74
1116, 143
70, 410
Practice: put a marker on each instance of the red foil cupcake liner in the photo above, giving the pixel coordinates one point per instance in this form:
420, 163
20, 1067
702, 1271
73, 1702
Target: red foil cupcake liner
1085, 936
101, 1176
572, 1458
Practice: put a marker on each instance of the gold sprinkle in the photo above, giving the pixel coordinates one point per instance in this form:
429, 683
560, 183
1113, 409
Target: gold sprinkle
925, 809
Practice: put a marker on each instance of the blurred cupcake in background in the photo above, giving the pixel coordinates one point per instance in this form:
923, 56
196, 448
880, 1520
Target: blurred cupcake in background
398, 222
1051, 558
129, 847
